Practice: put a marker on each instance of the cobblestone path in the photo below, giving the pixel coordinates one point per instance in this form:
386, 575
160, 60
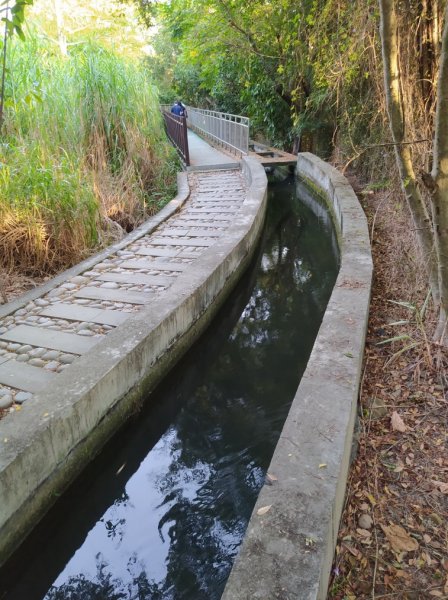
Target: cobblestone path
42, 339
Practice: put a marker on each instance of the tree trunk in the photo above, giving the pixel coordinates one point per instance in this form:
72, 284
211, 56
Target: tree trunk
2, 85
403, 155
424, 50
62, 39
440, 177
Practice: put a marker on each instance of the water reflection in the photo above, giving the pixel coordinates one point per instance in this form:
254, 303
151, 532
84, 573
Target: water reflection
161, 513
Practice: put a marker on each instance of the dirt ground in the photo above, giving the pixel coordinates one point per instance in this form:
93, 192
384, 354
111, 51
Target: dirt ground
393, 534
13, 285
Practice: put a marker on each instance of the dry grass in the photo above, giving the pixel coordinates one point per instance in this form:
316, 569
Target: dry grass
83, 167
32, 246
14, 285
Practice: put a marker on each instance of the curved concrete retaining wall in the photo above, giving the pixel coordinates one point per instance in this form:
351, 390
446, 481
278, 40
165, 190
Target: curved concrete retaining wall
48, 444
288, 548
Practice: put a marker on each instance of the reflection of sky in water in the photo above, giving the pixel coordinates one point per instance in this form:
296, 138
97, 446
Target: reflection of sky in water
122, 532
270, 261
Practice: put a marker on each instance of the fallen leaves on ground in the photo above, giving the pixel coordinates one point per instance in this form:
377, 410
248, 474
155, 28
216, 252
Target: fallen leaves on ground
399, 540
398, 483
397, 422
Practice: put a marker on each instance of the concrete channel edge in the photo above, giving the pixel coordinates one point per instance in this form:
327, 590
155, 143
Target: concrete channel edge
47, 445
288, 548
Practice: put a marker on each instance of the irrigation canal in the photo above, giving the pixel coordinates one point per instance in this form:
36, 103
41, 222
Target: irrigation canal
161, 512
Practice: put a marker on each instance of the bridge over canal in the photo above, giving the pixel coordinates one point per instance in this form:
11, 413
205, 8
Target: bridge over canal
228, 136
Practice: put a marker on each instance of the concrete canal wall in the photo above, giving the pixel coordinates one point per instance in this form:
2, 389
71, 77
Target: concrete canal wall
289, 544
47, 444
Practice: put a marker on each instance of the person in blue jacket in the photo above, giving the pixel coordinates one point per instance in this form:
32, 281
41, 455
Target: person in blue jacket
178, 109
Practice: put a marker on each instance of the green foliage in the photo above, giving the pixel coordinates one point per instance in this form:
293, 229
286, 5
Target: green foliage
147, 10
52, 185
112, 23
14, 18
83, 142
298, 69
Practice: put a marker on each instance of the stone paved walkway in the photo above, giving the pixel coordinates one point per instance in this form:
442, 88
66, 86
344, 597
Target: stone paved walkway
42, 339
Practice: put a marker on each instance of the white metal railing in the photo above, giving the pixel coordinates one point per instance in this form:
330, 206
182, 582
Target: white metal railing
230, 131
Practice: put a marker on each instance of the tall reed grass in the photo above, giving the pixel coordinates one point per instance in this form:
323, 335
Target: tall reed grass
83, 154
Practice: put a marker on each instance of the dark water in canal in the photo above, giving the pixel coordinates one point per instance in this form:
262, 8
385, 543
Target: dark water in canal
161, 513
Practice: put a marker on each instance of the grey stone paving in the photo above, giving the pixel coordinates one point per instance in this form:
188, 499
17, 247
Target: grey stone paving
47, 338
212, 209
48, 334
74, 312
177, 231
207, 218
152, 265
32, 379
158, 252
201, 222
137, 278
183, 242
169, 252
98, 293
204, 233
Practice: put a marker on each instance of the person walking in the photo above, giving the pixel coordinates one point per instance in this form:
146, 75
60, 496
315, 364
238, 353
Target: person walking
184, 107
178, 109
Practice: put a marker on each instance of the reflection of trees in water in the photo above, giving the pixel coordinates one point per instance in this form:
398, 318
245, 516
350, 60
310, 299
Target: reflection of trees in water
116, 528
206, 503
294, 279
105, 587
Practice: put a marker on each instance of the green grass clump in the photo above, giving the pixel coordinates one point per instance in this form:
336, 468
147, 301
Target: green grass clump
83, 146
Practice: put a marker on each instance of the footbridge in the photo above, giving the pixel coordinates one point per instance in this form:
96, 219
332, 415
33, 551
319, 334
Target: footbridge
227, 133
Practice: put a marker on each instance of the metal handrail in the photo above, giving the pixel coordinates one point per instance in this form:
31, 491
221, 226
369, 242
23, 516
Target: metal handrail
230, 131
225, 129
176, 129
